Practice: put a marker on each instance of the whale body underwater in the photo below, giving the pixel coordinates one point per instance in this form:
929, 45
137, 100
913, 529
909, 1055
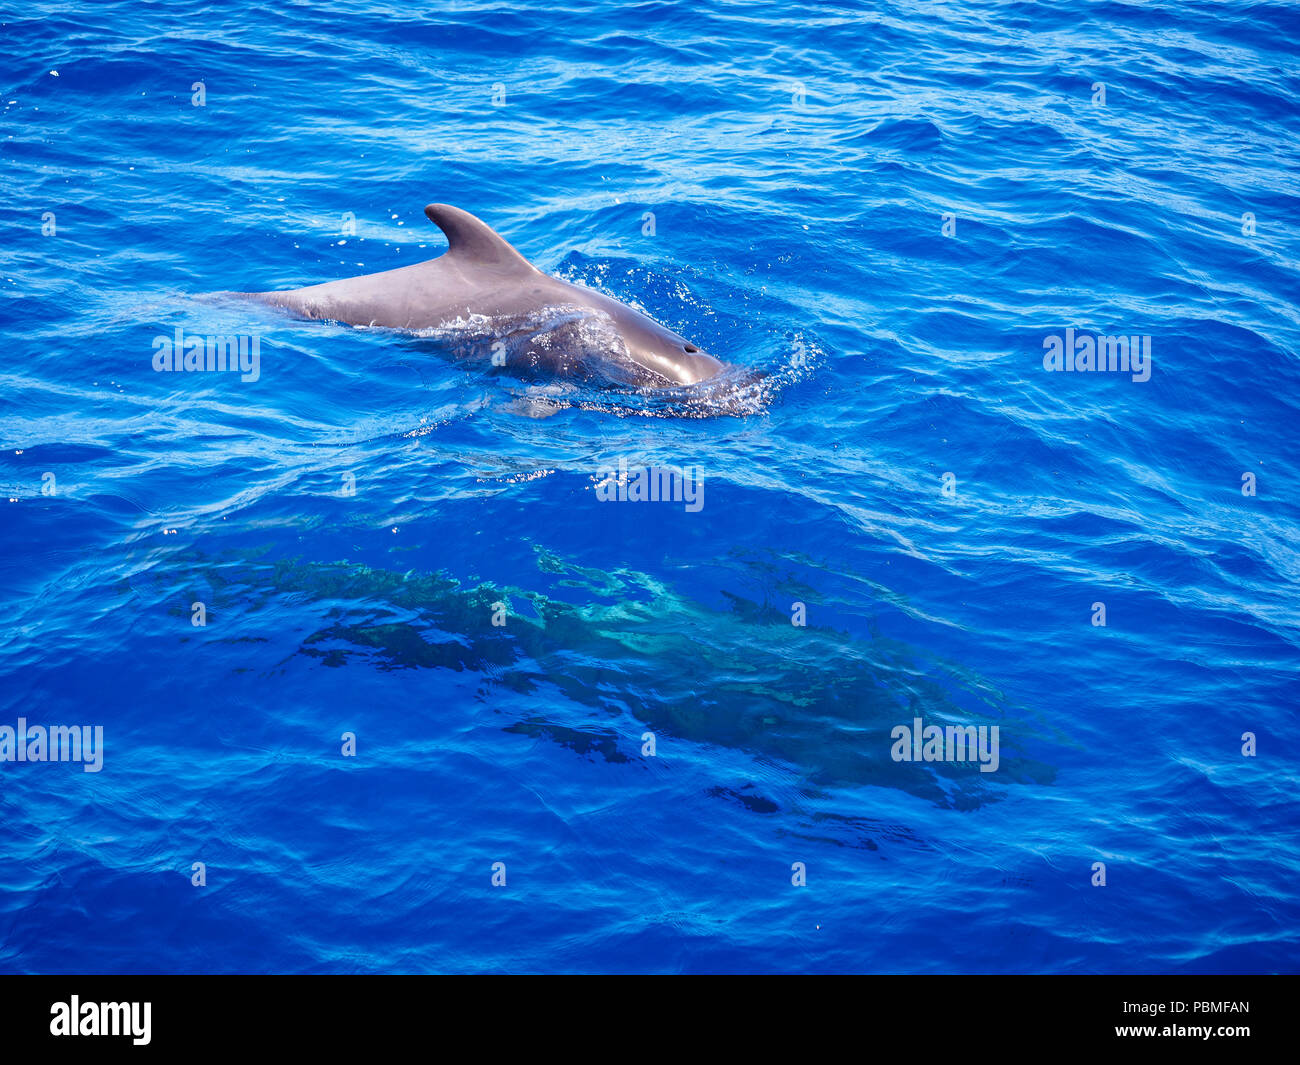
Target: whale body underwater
483, 291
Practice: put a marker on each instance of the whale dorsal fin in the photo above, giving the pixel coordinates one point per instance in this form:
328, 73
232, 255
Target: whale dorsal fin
472, 240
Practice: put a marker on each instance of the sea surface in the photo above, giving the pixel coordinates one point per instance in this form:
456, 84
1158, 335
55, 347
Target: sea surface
386, 685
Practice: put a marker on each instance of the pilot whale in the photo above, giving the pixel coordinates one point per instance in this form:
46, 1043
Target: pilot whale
482, 289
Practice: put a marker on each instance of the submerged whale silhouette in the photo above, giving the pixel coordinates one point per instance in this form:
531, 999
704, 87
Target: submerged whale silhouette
576, 669
482, 288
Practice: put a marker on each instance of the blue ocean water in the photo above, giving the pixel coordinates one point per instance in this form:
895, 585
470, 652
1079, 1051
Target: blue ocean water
886, 210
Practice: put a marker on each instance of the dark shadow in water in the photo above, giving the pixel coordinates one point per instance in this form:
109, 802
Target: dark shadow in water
634, 655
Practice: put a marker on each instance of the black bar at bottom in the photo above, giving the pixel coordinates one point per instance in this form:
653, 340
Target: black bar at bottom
1244, 1015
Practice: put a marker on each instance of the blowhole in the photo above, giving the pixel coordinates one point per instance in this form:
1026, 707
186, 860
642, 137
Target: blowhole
691, 349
